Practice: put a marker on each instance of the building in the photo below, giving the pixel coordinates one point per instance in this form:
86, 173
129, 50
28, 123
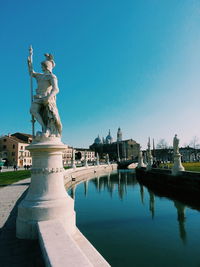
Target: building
81, 153
67, 155
13, 149
117, 150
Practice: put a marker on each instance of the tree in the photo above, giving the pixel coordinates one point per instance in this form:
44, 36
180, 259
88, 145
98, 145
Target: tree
194, 142
162, 144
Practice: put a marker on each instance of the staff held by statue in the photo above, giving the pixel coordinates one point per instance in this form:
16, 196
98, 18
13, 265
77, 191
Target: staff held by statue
30, 62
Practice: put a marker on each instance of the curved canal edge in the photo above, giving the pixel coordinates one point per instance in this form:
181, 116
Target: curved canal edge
60, 248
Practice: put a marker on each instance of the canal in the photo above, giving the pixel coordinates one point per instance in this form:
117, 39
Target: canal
132, 226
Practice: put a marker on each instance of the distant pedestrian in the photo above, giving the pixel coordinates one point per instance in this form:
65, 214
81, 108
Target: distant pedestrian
0, 169
25, 167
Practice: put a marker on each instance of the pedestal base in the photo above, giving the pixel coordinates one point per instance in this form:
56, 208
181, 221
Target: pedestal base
177, 167
47, 198
140, 161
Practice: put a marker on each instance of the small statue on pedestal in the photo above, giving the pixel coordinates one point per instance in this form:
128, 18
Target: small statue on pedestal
177, 167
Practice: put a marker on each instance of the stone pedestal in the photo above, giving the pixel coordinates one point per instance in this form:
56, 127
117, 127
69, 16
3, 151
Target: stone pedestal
140, 161
150, 162
85, 163
73, 164
177, 167
47, 198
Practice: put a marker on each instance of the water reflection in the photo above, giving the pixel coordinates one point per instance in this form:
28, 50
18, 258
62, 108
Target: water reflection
124, 183
151, 203
181, 219
86, 187
142, 193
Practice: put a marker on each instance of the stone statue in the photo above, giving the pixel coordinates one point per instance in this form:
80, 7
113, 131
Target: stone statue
177, 167
43, 106
176, 144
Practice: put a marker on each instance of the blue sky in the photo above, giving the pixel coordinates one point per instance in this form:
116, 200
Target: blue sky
133, 64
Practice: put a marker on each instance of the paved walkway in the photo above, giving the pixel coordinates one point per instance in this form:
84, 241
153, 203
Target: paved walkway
15, 252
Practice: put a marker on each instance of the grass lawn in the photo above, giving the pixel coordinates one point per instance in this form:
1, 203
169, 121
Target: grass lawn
189, 166
11, 177
7, 178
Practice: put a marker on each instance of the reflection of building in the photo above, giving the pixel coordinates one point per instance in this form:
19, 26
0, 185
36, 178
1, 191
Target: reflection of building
13, 149
120, 149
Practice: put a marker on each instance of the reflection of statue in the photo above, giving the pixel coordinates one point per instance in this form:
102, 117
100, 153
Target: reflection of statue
43, 107
176, 144
181, 219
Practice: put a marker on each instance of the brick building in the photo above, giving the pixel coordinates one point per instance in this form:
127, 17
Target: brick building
13, 149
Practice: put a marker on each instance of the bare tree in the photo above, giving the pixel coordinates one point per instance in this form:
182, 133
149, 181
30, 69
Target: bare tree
194, 142
195, 145
162, 144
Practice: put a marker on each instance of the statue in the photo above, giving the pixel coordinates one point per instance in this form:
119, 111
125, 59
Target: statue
177, 167
43, 107
176, 144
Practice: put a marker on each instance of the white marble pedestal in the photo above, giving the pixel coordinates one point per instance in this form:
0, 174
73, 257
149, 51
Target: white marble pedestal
47, 198
177, 167
149, 163
140, 160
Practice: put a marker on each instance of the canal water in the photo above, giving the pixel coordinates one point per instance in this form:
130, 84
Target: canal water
131, 226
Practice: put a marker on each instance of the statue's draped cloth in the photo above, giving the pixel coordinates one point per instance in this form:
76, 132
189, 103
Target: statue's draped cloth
50, 116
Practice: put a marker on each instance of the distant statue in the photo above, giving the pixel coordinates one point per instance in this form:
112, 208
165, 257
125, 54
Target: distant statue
176, 144
43, 106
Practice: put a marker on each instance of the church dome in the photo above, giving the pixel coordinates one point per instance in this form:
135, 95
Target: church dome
109, 138
97, 140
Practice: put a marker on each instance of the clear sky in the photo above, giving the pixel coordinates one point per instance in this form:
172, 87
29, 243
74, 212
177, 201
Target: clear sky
131, 63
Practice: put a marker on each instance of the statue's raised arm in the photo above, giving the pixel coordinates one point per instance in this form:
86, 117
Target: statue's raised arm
43, 107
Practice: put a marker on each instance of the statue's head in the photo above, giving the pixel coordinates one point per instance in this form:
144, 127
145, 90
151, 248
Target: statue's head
48, 64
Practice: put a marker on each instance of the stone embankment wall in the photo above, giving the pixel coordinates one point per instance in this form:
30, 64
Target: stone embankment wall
75, 176
185, 185
62, 249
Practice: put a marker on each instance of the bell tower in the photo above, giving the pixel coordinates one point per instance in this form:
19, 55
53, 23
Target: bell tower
119, 135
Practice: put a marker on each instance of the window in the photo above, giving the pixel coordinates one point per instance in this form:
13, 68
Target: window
4, 140
13, 153
21, 147
4, 146
13, 146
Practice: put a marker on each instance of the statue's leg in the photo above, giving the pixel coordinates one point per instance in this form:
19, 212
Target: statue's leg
35, 111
